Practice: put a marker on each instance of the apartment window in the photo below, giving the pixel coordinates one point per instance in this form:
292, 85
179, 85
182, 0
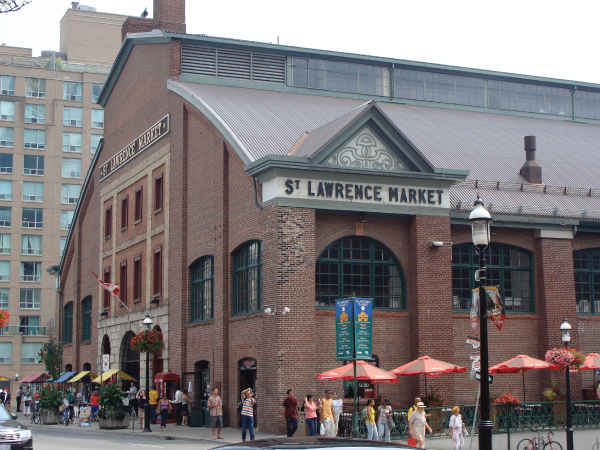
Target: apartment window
66, 217
6, 163
201, 276
33, 165
158, 193
5, 216
72, 117
29, 325
72, 91
138, 205
32, 218
105, 293
97, 118
71, 168
72, 142
30, 352
7, 111
5, 190
123, 282
4, 270
157, 271
35, 87
7, 137
5, 352
4, 296
108, 222
61, 245
95, 142
247, 278
68, 323
33, 191
31, 244
31, 271
124, 211
35, 139
5, 244
7, 85
30, 299
96, 89
86, 319
137, 278
35, 114
69, 193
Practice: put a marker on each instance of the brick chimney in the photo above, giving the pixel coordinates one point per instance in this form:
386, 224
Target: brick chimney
531, 170
169, 15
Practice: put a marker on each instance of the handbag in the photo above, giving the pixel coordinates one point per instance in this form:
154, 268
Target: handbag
322, 430
61, 408
412, 442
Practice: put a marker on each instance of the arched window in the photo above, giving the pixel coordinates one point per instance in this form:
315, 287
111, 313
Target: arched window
587, 280
87, 367
359, 266
68, 324
201, 276
86, 319
69, 368
508, 267
247, 278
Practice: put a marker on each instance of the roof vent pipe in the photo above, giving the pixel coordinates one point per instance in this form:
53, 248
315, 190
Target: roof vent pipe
74, 5
531, 170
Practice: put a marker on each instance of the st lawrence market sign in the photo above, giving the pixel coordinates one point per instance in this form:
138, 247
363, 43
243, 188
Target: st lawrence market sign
141, 143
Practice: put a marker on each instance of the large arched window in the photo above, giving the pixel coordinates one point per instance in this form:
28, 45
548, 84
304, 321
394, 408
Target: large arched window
508, 267
201, 276
587, 280
247, 278
68, 323
359, 266
86, 319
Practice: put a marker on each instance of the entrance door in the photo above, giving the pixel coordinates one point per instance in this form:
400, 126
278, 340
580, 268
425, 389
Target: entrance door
248, 378
202, 380
130, 361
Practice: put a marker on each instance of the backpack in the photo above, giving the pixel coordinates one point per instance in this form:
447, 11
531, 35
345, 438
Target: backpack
365, 413
240, 406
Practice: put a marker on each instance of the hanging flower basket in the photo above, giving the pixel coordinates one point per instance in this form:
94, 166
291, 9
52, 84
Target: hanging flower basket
565, 357
507, 399
4, 317
148, 341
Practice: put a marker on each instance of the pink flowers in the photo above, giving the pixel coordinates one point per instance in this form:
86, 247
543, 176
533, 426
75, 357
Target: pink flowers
565, 357
148, 341
507, 399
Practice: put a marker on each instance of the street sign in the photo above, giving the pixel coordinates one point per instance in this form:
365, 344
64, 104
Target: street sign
363, 327
344, 328
476, 365
478, 377
475, 356
474, 342
105, 363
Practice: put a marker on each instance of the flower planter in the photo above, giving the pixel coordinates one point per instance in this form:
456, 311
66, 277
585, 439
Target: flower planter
436, 420
49, 417
114, 424
559, 410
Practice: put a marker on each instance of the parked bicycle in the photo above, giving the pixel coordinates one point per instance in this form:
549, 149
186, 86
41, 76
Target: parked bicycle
35, 413
539, 442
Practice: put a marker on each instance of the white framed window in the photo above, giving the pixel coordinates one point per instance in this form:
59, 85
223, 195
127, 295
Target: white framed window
63, 242
7, 111
33, 165
7, 137
5, 190
72, 91
31, 271
30, 299
4, 270
33, 191
5, 216
72, 117
35, 87
95, 142
4, 296
5, 244
30, 351
31, 244
6, 163
66, 217
32, 218
35, 139
96, 89
69, 194
97, 118
72, 142
71, 168
7, 85
5, 352
35, 114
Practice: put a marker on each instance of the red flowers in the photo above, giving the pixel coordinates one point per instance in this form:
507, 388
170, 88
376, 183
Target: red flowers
148, 341
507, 399
4, 318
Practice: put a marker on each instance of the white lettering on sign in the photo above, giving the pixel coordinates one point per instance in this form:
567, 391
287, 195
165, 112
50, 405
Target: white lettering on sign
475, 356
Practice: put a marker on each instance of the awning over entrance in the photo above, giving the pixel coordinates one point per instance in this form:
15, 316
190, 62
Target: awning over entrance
36, 378
110, 373
81, 375
4, 379
64, 377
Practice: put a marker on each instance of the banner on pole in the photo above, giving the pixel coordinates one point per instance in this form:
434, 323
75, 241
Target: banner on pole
363, 327
344, 329
495, 307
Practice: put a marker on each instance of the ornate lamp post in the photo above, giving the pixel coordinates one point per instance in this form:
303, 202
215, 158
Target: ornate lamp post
148, 322
565, 330
480, 220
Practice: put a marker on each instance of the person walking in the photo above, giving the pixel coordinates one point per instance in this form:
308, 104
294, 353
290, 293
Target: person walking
185, 413
94, 402
141, 401
247, 413
27, 402
338, 409
153, 399
215, 404
385, 420
417, 425
133, 400
71, 400
177, 404
413, 408
310, 409
456, 428
164, 408
371, 426
326, 410
290, 413
7, 399
19, 396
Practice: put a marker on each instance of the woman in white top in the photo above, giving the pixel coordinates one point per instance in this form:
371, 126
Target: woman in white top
338, 408
27, 403
456, 428
385, 417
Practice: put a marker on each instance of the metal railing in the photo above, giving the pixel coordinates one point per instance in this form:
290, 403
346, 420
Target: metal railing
25, 330
46, 63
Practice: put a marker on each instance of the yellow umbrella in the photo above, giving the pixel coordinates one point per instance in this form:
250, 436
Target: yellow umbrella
81, 375
106, 375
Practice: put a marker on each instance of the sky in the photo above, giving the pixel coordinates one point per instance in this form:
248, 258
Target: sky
542, 38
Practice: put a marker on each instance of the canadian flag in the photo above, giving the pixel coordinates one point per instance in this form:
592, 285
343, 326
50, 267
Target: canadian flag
112, 288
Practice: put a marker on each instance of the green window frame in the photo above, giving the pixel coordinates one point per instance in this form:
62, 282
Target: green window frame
586, 264
68, 324
201, 277
247, 278
363, 267
510, 268
86, 319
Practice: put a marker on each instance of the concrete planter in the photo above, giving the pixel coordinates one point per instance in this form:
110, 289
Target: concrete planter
113, 424
49, 417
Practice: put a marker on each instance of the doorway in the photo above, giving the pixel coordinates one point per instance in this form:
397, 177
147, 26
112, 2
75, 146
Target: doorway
130, 361
202, 379
248, 379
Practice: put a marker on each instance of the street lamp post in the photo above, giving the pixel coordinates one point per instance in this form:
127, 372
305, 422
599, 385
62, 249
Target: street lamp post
565, 330
480, 220
148, 322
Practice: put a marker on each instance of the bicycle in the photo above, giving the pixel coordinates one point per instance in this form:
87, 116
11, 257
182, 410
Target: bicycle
539, 443
35, 414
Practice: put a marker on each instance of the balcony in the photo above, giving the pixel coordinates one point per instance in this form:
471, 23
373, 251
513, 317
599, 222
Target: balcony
25, 330
46, 63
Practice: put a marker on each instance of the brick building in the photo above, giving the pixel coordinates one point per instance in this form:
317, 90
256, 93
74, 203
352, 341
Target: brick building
238, 176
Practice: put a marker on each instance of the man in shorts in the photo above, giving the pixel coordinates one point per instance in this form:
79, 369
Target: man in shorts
215, 405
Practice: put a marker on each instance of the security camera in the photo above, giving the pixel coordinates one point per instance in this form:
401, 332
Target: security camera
286, 310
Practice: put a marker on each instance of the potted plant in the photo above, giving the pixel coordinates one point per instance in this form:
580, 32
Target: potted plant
112, 413
553, 394
49, 400
150, 341
501, 407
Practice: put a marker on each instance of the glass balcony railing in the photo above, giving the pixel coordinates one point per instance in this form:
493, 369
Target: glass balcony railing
25, 330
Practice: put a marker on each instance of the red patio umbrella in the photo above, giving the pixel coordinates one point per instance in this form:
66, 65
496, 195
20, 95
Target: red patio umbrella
364, 371
592, 362
428, 366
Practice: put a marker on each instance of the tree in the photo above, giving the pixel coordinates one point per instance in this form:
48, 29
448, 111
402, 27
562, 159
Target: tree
7, 6
51, 355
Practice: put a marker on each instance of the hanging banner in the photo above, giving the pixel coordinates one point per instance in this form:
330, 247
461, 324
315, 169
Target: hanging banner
495, 307
363, 327
344, 329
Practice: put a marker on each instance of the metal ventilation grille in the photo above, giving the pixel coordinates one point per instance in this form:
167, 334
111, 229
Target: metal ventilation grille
224, 63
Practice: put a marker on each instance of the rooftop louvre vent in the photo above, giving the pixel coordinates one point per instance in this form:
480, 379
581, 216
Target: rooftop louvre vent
531, 170
225, 63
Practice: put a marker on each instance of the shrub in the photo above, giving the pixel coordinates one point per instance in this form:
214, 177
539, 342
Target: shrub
50, 399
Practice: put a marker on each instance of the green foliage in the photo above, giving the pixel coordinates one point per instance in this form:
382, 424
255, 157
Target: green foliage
111, 396
50, 399
7, 6
51, 355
